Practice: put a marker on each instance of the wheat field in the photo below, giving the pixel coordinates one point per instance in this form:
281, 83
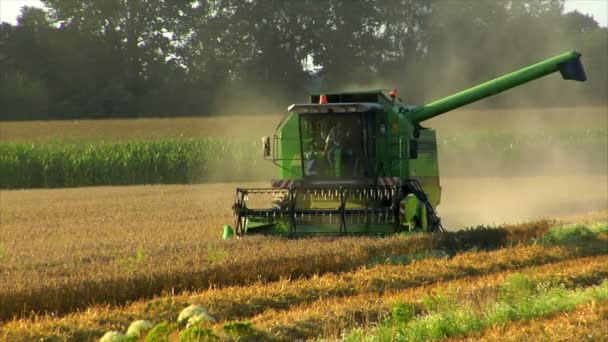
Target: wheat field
76, 263
63, 249
332, 304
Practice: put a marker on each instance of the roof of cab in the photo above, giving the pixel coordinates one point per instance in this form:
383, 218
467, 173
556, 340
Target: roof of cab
374, 96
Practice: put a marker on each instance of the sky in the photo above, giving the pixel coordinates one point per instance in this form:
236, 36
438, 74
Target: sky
9, 9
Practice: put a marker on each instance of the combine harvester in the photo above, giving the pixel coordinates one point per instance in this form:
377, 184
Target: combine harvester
360, 163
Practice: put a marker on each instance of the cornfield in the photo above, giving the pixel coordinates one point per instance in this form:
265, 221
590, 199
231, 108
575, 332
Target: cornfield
24, 165
188, 161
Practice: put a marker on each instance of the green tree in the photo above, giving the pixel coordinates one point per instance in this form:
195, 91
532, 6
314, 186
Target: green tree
23, 89
124, 58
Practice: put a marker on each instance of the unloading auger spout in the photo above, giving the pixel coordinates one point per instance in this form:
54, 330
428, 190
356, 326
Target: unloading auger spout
568, 64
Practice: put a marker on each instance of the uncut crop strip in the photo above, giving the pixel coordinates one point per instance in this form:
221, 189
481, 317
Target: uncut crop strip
538, 149
171, 160
331, 318
242, 302
304, 258
183, 161
375, 283
267, 261
586, 323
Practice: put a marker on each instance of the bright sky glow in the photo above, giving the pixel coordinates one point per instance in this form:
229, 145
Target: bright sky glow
596, 8
9, 9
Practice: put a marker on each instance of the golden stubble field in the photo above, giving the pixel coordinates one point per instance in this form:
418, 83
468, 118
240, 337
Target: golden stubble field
104, 225
95, 259
330, 303
116, 220
115, 244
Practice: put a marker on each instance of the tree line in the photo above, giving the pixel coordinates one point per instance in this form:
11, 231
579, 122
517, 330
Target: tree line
145, 58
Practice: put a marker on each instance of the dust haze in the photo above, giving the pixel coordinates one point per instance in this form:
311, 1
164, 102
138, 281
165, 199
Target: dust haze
563, 171
561, 166
245, 114
495, 200
253, 99
551, 177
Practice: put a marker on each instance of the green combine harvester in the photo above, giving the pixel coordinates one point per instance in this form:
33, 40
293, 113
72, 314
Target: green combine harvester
361, 163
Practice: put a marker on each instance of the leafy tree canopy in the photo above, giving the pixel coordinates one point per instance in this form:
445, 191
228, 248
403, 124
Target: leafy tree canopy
126, 58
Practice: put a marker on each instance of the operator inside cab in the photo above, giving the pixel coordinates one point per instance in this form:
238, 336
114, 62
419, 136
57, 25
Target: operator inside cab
339, 145
332, 145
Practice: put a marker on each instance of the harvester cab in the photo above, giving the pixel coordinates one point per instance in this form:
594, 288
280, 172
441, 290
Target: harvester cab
361, 163
334, 143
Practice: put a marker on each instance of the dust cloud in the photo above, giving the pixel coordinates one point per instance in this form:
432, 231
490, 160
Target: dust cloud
523, 142
556, 163
496, 200
455, 64
246, 98
560, 168
245, 112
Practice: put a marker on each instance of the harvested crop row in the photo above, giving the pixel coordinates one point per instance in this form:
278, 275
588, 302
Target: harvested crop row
332, 318
272, 299
587, 323
519, 299
241, 302
268, 260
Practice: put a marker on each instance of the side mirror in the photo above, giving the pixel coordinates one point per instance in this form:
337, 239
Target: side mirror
413, 149
266, 146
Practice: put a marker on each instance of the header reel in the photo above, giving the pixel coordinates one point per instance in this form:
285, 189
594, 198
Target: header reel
308, 210
298, 211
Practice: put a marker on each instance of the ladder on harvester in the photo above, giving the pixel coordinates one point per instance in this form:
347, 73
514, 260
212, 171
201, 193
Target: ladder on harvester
414, 187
